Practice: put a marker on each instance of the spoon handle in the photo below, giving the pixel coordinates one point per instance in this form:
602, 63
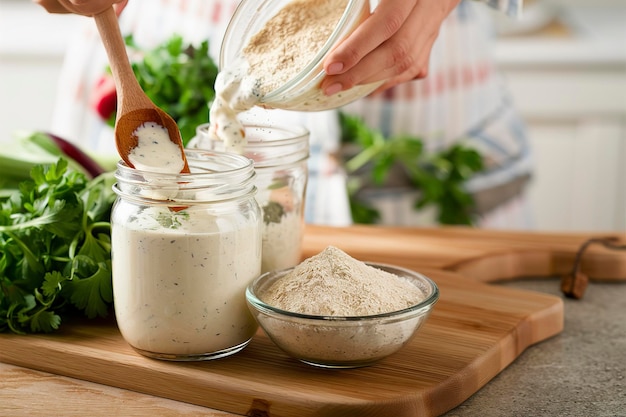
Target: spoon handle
130, 96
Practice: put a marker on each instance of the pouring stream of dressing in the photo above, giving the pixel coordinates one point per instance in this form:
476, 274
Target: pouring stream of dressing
275, 55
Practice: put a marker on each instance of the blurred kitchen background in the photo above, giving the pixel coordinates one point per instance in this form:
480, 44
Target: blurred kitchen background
565, 63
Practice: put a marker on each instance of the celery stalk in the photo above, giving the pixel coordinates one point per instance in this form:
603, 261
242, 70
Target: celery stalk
32, 148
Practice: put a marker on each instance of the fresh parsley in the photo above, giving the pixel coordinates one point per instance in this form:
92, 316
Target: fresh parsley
179, 78
172, 219
440, 176
55, 249
273, 212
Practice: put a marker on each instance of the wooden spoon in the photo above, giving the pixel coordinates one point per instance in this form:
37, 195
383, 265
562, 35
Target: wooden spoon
134, 108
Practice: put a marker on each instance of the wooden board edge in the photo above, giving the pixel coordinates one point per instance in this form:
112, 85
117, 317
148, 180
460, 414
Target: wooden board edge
537, 328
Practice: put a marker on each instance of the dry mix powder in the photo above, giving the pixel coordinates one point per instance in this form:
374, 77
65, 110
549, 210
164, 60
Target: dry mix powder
332, 283
291, 39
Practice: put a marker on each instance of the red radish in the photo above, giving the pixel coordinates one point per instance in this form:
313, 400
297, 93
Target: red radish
104, 99
88, 163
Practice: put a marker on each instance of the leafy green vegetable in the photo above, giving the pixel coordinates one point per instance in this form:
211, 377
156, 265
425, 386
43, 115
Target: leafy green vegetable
27, 149
273, 212
179, 79
172, 219
55, 248
439, 177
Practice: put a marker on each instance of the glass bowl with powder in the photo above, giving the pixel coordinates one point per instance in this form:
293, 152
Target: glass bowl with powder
334, 311
275, 49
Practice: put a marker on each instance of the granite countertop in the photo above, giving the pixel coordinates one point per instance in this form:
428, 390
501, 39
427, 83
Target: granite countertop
578, 373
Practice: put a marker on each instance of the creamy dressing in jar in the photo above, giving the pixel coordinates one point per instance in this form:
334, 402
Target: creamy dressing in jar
179, 291
280, 155
282, 242
181, 266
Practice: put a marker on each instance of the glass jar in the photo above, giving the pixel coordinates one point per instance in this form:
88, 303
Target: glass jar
280, 156
184, 248
302, 92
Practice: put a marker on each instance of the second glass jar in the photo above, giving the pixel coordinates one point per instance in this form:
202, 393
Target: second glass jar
280, 155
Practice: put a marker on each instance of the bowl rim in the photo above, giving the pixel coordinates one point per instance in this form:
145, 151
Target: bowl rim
422, 306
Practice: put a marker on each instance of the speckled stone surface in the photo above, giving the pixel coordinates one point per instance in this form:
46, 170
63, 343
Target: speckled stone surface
579, 373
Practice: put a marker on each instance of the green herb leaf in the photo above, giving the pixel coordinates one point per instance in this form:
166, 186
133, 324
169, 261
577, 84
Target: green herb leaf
93, 294
273, 212
55, 248
439, 176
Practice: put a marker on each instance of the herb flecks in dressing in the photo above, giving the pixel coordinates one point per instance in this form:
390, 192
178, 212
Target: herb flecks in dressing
155, 151
188, 298
235, 92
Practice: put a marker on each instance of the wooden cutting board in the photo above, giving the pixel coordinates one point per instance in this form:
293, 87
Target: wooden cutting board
482, 255
474, 332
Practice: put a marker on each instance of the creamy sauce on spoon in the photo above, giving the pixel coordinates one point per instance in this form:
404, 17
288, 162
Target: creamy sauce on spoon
155, 151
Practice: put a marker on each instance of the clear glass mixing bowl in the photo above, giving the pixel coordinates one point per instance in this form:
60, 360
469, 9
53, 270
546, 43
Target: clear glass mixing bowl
302, 92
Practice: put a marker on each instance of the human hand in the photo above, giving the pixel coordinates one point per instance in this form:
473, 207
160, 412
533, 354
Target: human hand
392, 44
84, 7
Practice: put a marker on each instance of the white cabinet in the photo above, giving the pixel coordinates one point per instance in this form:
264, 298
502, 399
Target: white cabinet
32, 44
579, 178
571, 90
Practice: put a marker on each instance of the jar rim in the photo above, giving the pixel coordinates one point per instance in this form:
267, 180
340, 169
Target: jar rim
264, 148
232, 166
215, 176
293, 134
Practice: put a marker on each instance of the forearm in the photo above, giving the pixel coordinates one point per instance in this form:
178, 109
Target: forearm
84, 7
